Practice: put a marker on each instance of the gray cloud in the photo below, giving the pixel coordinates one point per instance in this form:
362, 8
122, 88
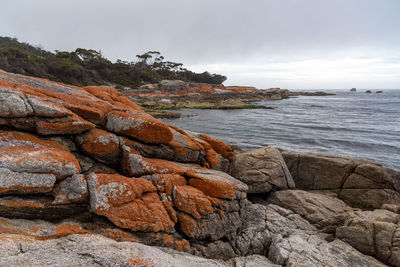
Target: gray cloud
207, 32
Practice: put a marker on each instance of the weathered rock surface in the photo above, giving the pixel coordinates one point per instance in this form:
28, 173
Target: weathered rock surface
324, 211
289, 240
93, 250
262, 170
373, 233
359, 183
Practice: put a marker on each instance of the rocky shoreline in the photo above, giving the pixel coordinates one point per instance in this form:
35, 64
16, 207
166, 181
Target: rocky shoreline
87, 178
160, 100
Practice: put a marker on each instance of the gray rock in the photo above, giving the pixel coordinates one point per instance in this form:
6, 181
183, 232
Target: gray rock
289, 240
47, 109
94, 250
24, 182
300, 249
311, 171
324, 211
253, 261
12, 103
359, 183
374, 233
262, 170
40, 160
72, 189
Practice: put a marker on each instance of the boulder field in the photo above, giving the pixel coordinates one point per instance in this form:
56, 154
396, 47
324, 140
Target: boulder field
87, 178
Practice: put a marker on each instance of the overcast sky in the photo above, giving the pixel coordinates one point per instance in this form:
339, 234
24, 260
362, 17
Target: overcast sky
311, 44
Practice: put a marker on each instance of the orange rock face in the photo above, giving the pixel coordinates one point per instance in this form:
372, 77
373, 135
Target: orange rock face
66, 125
166, 182
136, 165
219, 146
187, 224
100, 144
128, 202
192, 201
214, 188
139, 126
97, 131
39, 160
12, 138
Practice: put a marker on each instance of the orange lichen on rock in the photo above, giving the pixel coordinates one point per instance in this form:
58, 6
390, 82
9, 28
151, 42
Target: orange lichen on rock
64, 230
187, 224
66, 125
219, 146
15, 203
12, 138
140, 262
191, 201
136, 165
214, 188
100, 144
140, 126
111, 95
166, 182
118, 235
212, 158
169, 206
145, 214
108, 190
169, 241
71, 97
128, 202
39, 160
183, 142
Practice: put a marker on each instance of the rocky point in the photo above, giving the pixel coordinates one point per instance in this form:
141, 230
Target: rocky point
87, 178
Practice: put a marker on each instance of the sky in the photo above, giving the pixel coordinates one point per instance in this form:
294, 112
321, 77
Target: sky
294, 44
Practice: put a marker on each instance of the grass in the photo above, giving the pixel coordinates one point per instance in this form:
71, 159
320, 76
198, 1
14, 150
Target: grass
175, 107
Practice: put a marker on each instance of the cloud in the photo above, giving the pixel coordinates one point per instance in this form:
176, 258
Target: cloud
296, 33
316, 73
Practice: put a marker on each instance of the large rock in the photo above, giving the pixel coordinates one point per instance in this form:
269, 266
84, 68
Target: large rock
324, 211
94, 250
262, 170
139, 126
375, 233
359, 183
128, 203
101, 145
289, 240
24, 182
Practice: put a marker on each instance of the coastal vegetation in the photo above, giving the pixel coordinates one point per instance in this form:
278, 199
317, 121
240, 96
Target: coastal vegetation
175, 107
90, 67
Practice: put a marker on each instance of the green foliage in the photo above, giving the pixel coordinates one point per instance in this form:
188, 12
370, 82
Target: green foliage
89, 67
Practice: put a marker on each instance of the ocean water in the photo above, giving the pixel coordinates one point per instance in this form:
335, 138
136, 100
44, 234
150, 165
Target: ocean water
354, 124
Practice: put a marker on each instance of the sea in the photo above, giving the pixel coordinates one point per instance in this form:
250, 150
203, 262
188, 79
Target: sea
354, 124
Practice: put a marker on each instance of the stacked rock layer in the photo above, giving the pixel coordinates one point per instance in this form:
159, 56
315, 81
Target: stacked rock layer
89, 168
